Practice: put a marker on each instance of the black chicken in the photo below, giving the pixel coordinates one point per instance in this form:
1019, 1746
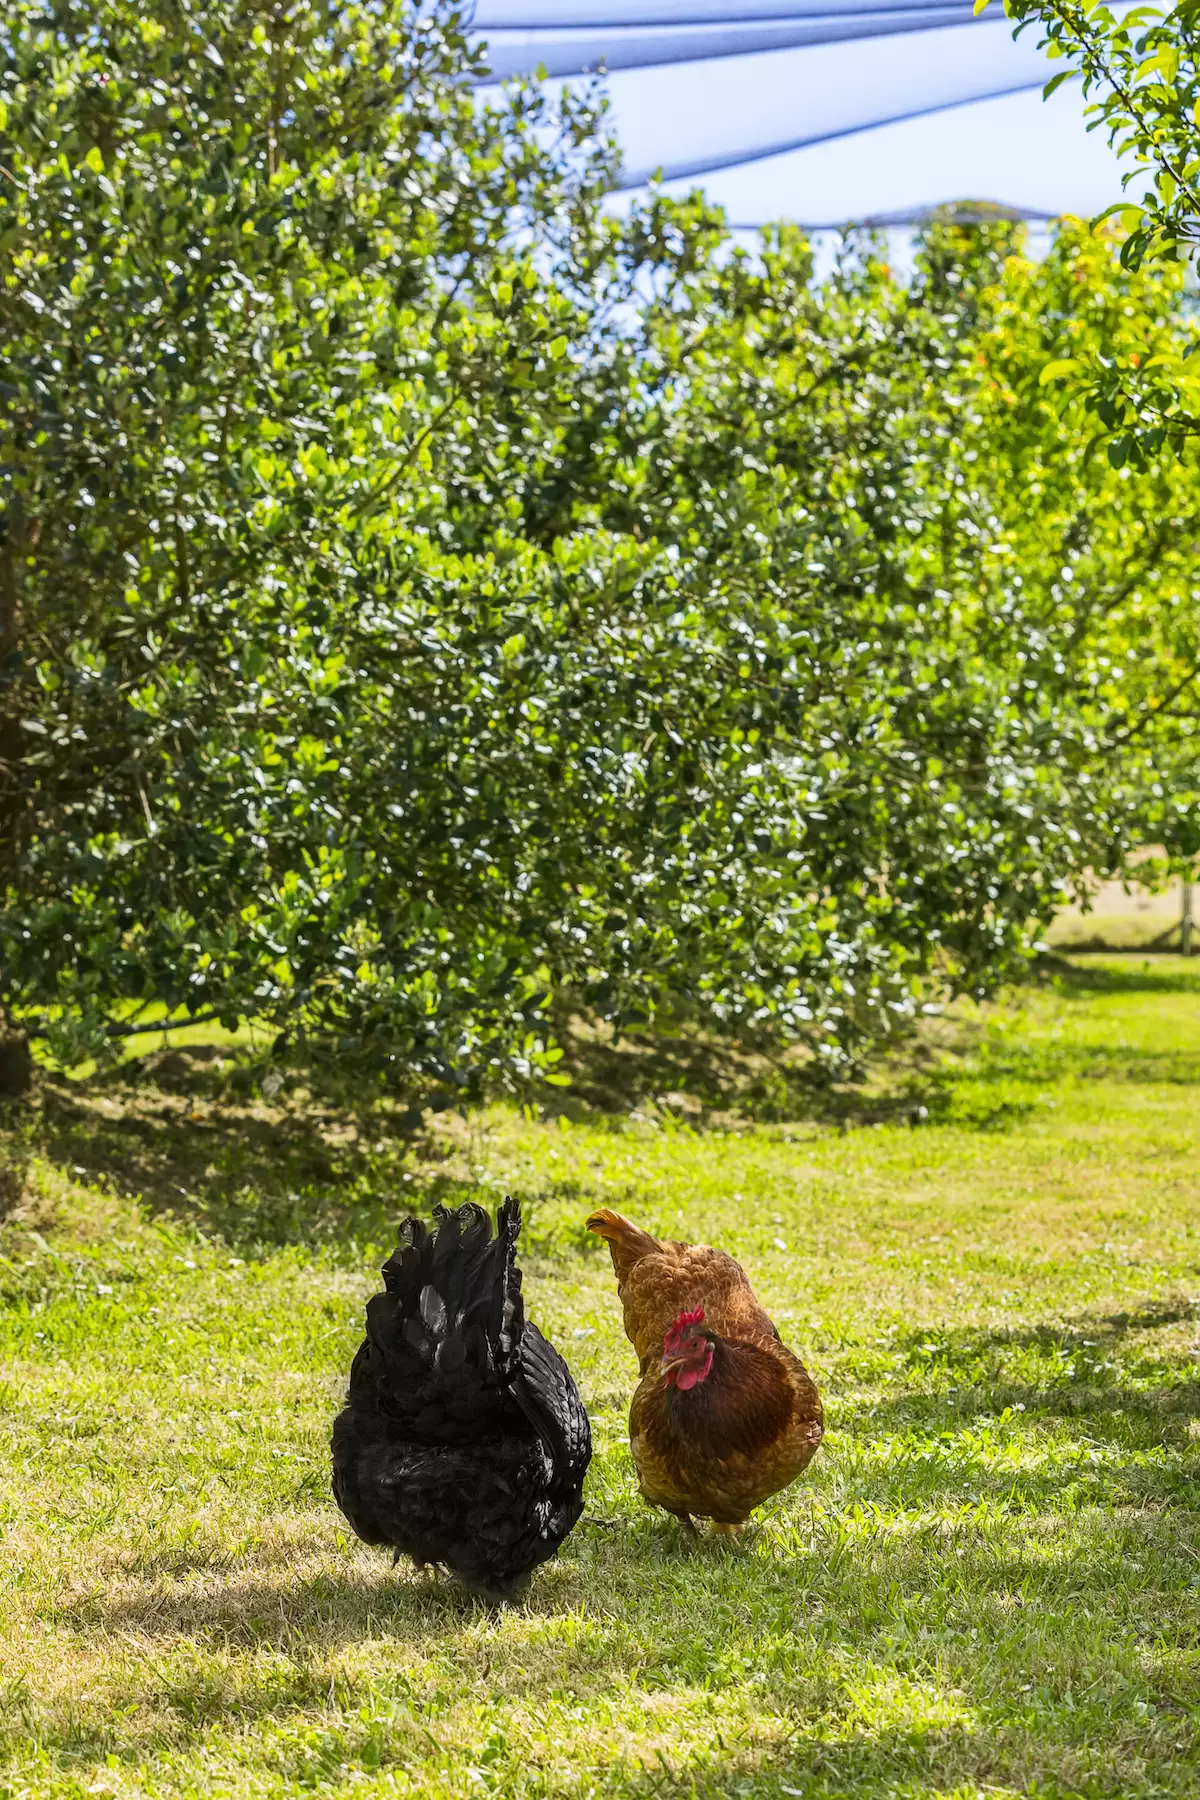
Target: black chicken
463, 1440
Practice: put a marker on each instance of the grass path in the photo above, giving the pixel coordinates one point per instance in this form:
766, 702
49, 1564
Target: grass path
989, 1584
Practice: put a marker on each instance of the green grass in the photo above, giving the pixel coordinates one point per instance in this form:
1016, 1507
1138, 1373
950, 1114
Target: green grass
988, 1584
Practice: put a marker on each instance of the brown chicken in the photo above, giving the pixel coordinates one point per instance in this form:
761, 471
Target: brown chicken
724, 1415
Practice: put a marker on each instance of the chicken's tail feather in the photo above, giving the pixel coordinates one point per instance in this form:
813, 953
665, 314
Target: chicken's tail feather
627, 1242
512, 1312
454, 1293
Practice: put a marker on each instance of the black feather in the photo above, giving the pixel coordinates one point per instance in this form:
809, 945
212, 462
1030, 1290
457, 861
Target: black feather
463, 1440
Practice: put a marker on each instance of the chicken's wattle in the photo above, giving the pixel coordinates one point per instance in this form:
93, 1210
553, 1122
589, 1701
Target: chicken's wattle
691, 1374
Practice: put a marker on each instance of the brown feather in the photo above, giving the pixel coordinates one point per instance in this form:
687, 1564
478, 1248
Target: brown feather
657, 1281
627, 1243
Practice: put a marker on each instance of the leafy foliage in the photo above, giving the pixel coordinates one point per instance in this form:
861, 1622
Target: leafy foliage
992, 634
1141, 72
255, 262
429, 604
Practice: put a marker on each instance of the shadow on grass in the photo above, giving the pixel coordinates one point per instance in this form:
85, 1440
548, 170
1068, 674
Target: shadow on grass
265, 1177
702, 1083
1043, 1064
14, 1159
966, 1344
1133, 973
252, 1610
977, 1630
1032, 1630
923, 1764
253, 1175
297, 1169
194, 1135
1077, 1358
1040, 1420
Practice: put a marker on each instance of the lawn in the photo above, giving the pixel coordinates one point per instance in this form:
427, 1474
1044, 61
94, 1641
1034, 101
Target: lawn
989, 1583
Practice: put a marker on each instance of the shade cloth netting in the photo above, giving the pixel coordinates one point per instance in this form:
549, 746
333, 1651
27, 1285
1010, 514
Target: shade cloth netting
818, 110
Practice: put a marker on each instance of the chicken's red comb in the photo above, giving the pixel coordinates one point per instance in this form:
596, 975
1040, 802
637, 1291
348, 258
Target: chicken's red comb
671, 1341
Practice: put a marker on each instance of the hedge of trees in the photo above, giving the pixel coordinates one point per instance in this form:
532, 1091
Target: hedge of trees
427, 601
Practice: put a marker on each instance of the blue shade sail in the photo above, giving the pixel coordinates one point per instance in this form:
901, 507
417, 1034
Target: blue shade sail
818, 110
1034, 158
646, 46
602, 15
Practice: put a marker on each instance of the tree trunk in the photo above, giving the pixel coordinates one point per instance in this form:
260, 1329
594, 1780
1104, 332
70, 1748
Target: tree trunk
16, 1063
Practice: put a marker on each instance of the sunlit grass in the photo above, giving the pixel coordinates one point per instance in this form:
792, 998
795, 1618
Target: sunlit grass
989, 1583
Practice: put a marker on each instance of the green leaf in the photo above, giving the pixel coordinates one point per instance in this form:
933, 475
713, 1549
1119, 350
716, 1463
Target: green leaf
1059, 369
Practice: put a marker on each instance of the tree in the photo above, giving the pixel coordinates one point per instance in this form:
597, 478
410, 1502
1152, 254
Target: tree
980, 641
256, 259
435, 603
